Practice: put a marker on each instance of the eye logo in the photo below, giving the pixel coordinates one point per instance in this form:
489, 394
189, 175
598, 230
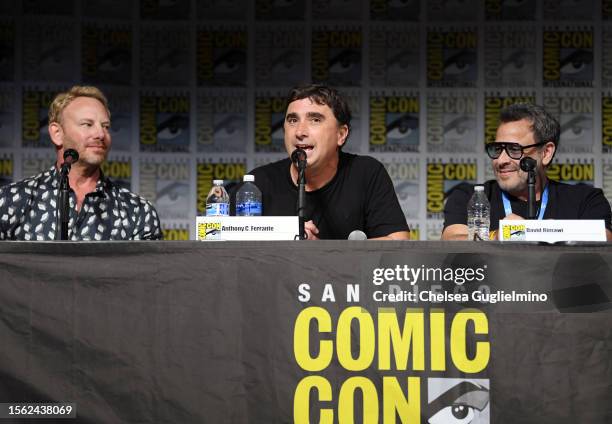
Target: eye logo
456, 401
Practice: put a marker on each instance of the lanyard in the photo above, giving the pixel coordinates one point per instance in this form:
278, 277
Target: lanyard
508, 206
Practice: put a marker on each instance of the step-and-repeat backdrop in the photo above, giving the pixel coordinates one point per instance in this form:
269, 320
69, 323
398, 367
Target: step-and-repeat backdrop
197, 88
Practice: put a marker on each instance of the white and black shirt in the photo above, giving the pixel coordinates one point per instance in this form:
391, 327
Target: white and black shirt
28, 212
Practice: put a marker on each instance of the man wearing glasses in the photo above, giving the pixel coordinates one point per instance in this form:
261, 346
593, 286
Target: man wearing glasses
525, 130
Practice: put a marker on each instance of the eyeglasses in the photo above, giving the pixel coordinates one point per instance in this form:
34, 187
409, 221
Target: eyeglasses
514, 150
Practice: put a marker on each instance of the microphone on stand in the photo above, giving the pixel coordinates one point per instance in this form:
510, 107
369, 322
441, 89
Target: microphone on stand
529, 165
357, 235
63, 204
298, 157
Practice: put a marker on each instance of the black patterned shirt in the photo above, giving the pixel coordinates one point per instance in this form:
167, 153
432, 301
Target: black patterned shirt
28, 212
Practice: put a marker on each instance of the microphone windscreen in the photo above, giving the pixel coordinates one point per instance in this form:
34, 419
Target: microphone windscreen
528, 164
71, 156
357, 235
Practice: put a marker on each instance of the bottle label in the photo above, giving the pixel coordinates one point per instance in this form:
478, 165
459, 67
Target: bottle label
217, 209
248, 209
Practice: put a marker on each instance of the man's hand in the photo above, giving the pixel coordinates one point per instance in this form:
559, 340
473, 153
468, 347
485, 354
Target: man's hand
311, 230
513, 216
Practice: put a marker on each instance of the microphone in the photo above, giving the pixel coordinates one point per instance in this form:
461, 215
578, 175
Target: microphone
529, 165
357, 235
70, 157
299, 157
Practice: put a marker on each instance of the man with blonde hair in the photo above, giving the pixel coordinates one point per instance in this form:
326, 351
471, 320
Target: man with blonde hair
79, 119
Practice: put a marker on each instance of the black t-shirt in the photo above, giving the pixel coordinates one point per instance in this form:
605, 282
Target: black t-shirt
565, 201
359, 197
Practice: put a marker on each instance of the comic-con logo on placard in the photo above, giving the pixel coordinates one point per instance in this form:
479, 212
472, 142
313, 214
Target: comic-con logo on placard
336, 56
452, 58
574, 112
164, 122
7, 49
451, 122
394, 56
567, 58
165, 10
510, 57
221, 57
269, 122
164, 55
494, 103
106, 54
165, 182
230, 171
279, 56
35, 116
49, 50
394, 123
221, 121
442, 177
273, 10
504, 10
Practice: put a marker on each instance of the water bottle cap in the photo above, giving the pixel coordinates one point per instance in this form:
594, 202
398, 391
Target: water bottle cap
217, 182
479, 188
248, 178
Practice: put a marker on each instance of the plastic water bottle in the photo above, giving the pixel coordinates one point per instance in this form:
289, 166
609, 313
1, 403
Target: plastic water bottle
248, 198
217, 202
479, 215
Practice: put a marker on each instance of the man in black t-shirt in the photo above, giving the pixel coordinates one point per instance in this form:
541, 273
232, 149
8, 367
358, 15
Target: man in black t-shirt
525, 130
344, 192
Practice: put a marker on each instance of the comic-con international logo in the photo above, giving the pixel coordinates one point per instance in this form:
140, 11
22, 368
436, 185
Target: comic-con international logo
572, 171
230, 173
166, 184
269, 123
452, 58
574, 111
412, 350
394, 56
106, 54
221, 57
404, 173
336, 57
119, 170
514, 232
164, 55
35, 117
510, 57
164, 123
451, 122
568, 58
221, 119
279, 56
394, 123
441, 179
494, 104
49, 51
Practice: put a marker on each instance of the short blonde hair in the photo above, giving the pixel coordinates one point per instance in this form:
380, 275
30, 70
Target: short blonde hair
62, 100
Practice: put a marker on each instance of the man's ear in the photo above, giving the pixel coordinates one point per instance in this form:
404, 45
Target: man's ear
343, 132
56, 133
548, 153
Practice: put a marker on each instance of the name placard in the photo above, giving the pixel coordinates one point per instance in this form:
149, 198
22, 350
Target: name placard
552, 230
246, 228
